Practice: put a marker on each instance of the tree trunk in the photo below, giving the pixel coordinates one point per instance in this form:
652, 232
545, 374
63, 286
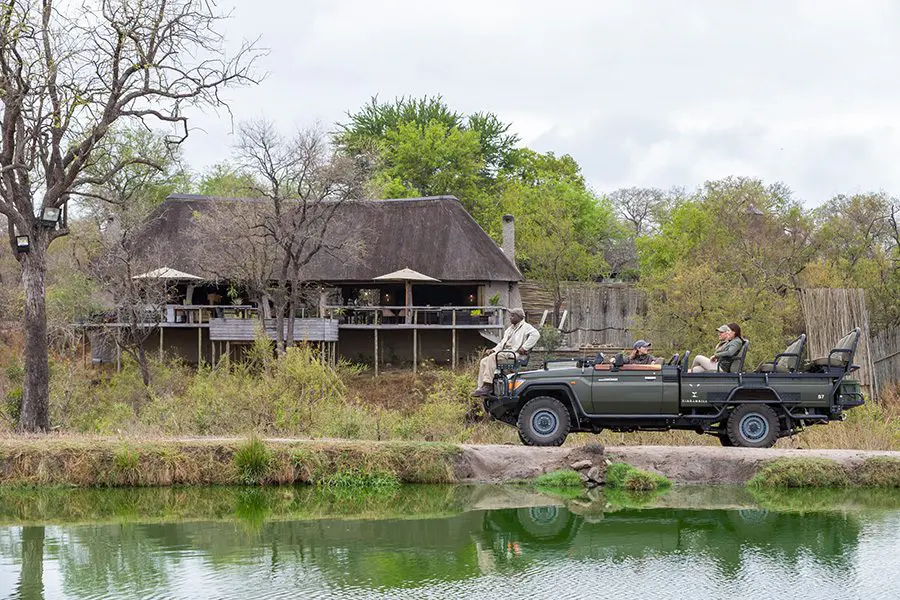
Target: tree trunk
292, 312
143, 364
34, 413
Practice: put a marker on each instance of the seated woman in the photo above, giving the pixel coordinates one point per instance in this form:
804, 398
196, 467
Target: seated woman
640, 355
729, 346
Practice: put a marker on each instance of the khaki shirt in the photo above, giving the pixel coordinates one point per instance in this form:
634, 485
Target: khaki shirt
522, 335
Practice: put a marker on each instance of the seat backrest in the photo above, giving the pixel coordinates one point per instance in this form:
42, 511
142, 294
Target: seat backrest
790, 363
845, 349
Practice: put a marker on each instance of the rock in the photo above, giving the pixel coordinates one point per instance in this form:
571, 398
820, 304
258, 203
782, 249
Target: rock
584, 478
595, 474
581, 464
594, 448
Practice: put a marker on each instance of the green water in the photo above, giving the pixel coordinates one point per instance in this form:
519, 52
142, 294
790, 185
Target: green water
447, 542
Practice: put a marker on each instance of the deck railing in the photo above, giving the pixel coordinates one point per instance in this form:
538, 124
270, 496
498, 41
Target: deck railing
417, 316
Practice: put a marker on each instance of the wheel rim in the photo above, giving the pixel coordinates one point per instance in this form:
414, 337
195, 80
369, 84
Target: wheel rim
544, 422
754, 427
543, 515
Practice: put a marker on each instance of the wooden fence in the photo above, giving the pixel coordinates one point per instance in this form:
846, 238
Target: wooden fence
832, 313
597, 314
886, 358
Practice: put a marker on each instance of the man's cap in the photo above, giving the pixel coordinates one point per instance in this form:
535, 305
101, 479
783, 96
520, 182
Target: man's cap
517, 311
723, 328
641, 344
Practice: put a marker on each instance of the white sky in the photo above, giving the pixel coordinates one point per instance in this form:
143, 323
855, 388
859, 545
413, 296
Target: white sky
640, 92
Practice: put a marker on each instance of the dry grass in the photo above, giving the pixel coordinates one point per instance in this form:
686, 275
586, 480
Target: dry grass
87, 462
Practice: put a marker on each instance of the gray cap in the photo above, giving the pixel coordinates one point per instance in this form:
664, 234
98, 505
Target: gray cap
641, 344
723, 328
517, 311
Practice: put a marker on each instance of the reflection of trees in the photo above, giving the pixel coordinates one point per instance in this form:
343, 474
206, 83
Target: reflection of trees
31, 577
256, 536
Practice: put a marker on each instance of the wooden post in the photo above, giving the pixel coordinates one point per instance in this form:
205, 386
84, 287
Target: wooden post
415, 342
199, 339
376, 352
118, 358
453, 346
161, 343
228, 350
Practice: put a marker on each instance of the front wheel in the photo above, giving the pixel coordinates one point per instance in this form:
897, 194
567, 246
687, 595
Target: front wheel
543, 421
753, 426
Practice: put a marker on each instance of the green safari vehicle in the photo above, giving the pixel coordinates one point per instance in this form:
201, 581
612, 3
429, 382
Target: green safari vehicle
749, 409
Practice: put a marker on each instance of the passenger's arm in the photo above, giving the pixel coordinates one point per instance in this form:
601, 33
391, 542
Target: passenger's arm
531, 339
730, 349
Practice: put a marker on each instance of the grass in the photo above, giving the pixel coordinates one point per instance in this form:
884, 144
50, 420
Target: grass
800, 473
622, 476
564, 478
42, 460
253, 462
878, 471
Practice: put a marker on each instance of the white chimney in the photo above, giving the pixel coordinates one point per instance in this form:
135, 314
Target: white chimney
509, 237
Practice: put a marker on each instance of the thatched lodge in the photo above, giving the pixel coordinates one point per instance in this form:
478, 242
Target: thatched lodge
400, 281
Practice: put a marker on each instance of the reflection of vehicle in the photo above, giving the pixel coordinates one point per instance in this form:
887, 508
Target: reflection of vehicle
741, 409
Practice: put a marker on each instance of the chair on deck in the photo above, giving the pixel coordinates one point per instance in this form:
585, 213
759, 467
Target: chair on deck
737, 364
787, 361
839, 359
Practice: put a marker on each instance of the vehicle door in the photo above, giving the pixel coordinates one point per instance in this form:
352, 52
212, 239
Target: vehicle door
630, 390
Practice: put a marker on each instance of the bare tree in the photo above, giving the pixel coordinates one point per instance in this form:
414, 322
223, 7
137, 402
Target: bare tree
641, 208
68, 72
301, 183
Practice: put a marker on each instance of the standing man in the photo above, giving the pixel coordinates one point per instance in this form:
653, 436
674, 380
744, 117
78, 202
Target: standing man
520, 338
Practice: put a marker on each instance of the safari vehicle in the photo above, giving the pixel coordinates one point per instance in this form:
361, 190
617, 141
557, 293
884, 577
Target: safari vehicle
749, 409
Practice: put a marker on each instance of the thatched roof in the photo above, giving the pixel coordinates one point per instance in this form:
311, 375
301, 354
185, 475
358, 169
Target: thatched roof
430, 235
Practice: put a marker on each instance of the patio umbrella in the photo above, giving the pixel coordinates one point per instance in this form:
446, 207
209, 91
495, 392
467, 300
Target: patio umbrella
166, 273
407, 276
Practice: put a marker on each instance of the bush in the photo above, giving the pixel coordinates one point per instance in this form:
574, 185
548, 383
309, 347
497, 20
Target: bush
799, 473
564, 478
623, 476
358, 479
253, 462
879, 471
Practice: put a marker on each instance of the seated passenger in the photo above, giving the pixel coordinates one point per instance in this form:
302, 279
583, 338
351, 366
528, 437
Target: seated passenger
640, 355
729, 346
520, 338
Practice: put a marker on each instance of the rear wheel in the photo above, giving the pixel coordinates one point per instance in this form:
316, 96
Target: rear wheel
543, 421
753, 426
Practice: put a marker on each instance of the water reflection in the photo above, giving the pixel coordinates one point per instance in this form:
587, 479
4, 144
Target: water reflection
297, 541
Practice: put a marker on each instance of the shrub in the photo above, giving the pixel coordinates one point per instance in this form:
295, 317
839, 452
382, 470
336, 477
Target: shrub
358, 479
879, 471
253, 462
564, 478
623, 476
800, 472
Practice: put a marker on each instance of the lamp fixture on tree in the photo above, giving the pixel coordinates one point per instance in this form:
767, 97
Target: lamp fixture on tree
49, 216
23, 244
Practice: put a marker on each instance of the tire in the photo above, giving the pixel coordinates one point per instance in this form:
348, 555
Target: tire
543, 421
544, 522
753, 426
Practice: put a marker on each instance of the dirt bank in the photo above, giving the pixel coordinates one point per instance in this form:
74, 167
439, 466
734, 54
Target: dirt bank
91, 461
700, 465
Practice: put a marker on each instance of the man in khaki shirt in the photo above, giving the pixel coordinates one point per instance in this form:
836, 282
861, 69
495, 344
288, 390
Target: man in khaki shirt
520, 338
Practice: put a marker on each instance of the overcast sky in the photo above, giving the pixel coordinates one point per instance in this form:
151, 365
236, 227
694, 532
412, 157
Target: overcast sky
641, 93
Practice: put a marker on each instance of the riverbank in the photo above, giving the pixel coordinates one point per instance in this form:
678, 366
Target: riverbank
124, 462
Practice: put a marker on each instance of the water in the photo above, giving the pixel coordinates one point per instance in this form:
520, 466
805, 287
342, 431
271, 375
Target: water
447, 542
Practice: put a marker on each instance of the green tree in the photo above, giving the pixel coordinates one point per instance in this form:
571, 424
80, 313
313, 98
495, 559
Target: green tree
226, 181
732, 252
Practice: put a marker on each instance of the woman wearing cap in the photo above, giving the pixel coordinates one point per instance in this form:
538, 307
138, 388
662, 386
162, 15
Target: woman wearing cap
730, 343
640, 354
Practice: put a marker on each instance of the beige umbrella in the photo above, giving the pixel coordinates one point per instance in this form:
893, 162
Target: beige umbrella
407, 276
166, 273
